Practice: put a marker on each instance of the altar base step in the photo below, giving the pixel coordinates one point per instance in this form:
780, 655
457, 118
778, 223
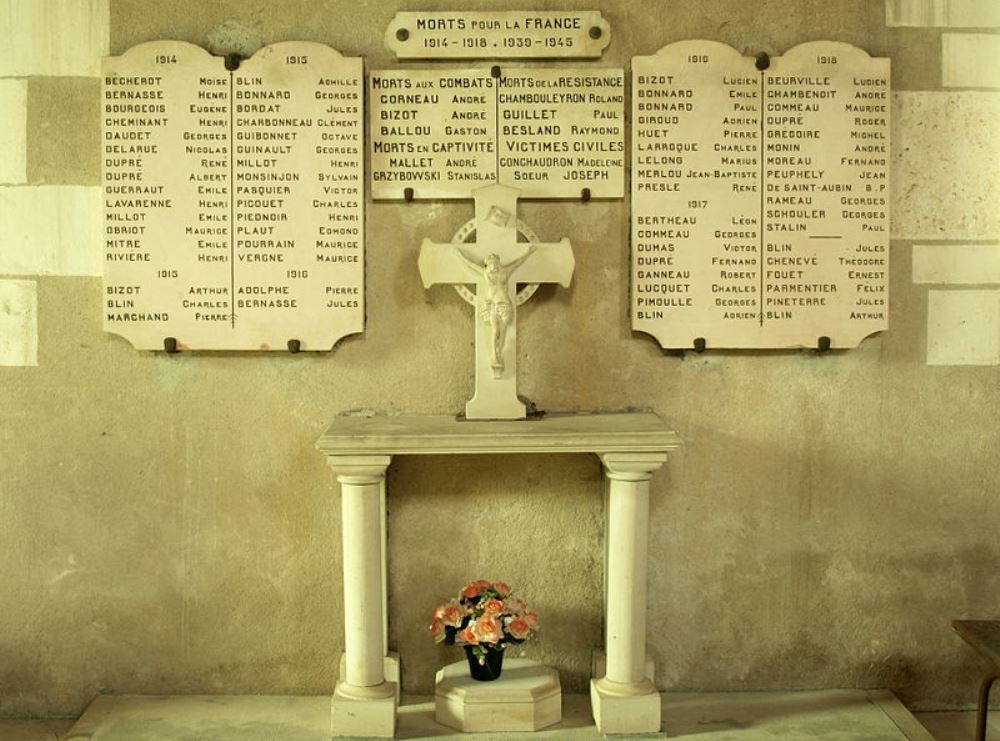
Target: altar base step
526, 697
734, 716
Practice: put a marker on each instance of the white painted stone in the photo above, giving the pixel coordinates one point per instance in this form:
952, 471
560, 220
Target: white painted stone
946, 166
50, 230
18, 322
963, 327
390, 666
13, 130
623, 713
943, 13
373, 716
956, 263
495, 263
53, 37
599, 666
526, 697
970, 60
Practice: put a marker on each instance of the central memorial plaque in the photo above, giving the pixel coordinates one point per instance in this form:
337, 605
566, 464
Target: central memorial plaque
550, 133
760, 196
233, 198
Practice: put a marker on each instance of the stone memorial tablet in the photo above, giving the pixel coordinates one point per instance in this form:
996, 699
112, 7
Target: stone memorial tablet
233, 199
550, 133
760, 197
499, 34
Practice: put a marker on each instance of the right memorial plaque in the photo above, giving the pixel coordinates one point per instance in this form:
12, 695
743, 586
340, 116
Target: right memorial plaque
760, 196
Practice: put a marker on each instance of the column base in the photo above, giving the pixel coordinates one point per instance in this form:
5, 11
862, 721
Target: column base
599, 666
390, 666
364, 712
625, 709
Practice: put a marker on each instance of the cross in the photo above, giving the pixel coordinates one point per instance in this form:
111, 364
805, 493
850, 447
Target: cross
496, 262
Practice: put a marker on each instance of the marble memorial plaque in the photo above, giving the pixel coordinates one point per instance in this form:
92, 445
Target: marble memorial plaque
498, 34
233, 214
550, 133
760, 198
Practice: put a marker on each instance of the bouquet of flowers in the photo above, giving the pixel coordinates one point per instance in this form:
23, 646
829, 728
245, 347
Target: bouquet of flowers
484, 617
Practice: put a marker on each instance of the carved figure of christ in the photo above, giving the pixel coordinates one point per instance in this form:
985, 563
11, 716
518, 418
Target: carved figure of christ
496, 262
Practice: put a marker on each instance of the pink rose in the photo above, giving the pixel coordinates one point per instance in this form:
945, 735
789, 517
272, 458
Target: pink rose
437, 630
452, 614
532, 618
515, 606
519, 628
493, 606
488, 629
502, 588
468, 636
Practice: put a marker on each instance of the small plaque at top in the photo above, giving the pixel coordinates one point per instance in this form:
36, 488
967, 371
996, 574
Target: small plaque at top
501, 34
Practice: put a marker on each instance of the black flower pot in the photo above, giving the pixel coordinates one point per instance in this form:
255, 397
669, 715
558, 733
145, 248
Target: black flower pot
488, 671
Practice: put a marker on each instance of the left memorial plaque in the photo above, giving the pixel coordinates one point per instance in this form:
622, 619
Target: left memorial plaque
233, 199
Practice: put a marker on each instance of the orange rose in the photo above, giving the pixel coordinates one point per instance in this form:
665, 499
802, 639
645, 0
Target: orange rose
519, 628
452, 614
467, 636
493, 606
474, 589
488, 629
532, 618
437, 630
502, 587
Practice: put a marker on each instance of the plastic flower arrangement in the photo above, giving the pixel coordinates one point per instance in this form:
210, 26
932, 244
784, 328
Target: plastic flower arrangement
484, 617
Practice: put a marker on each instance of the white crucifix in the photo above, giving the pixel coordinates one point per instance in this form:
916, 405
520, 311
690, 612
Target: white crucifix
495, 263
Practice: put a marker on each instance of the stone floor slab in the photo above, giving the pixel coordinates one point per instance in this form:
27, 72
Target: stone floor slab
827, 715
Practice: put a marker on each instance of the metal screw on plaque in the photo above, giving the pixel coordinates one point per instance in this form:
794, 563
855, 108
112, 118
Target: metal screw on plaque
595, 32
495, 70
233, 61
823, 344
699, 344
294, 346
170, 345
763, 61
408, 194
585, 195
402, 34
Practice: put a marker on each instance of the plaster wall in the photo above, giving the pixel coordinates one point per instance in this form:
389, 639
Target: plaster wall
166, 525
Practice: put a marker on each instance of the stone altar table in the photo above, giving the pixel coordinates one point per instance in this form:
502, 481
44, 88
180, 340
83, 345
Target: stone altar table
631, 446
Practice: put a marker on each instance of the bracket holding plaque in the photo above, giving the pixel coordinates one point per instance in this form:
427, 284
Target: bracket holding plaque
233, 197
505, 34
549, 133
760, 195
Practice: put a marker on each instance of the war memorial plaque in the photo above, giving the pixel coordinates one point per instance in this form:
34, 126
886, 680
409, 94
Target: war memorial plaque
760, 198
550, 133
500, 34
234, 200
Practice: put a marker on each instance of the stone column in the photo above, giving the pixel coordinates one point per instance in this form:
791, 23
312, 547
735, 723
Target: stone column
364, 704
624, 700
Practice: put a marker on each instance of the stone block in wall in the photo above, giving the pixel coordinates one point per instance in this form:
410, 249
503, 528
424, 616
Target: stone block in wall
18, 322
943, 13
946, 166
13, 122
53, 37
963, 327
51, 230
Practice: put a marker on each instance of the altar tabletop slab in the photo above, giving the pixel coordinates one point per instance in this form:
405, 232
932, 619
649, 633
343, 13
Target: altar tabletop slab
823, 715
641, 432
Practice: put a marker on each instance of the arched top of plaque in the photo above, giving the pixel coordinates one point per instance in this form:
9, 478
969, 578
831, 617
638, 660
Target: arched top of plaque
233, 197
760, 196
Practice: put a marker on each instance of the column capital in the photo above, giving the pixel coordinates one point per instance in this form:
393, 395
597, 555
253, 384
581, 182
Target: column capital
631, 466
359, 469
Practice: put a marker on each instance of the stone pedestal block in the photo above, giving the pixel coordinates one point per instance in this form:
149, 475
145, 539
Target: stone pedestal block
626, 712
526, 697
364, 712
